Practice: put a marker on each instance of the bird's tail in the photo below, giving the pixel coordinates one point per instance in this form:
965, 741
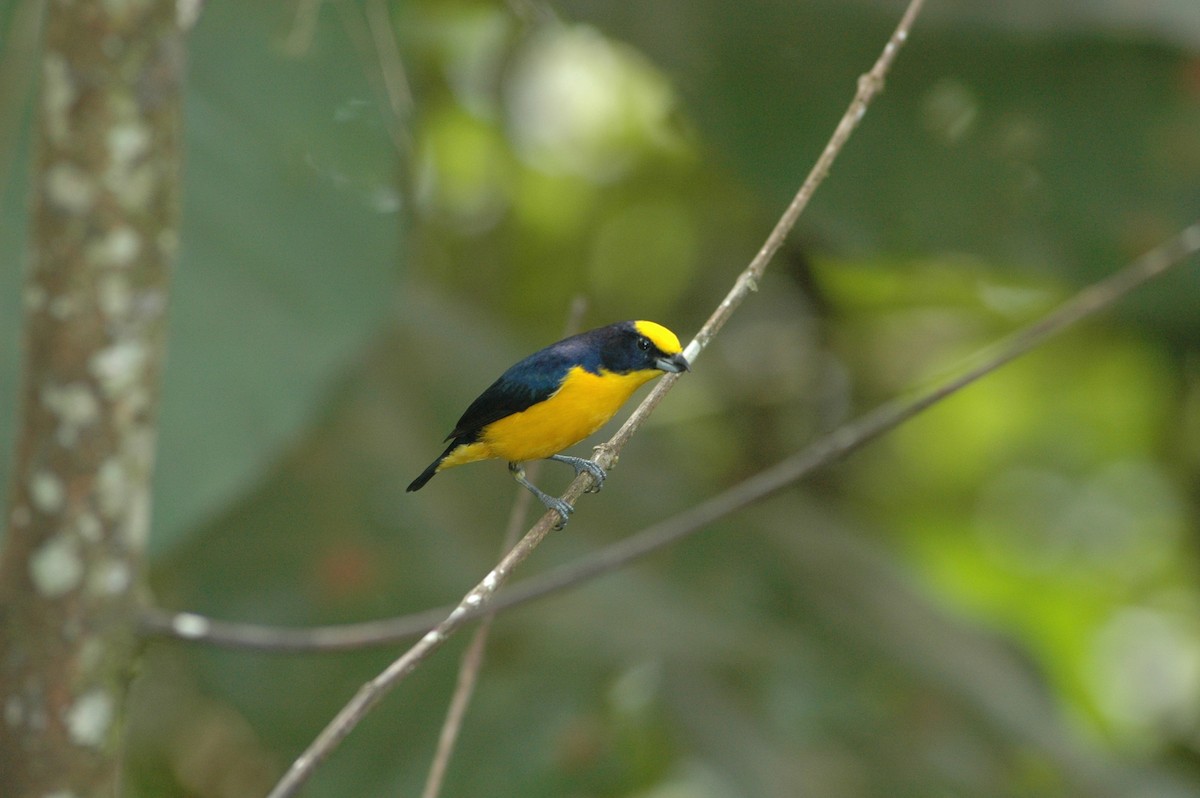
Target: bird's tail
428, 473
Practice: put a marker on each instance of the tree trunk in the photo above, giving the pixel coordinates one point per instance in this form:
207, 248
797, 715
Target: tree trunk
105, 224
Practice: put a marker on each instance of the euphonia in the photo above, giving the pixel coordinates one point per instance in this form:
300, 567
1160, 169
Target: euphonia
555, 398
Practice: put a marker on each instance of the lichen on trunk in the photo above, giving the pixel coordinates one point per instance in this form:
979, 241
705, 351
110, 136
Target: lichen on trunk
105, 220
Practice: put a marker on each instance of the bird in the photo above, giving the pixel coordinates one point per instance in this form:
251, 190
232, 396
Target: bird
555, 398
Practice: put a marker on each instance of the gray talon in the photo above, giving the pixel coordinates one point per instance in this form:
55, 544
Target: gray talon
580, 465
563, 509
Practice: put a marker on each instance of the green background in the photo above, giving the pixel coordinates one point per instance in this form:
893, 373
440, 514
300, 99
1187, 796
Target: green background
999, 599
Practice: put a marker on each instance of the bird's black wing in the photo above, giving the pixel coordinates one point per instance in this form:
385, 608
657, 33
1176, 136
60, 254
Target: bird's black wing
532, 380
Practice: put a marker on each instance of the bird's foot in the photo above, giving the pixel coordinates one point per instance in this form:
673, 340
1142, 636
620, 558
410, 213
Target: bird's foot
559, 506
580, 465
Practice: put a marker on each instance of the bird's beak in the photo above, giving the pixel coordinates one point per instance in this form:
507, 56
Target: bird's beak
674, 364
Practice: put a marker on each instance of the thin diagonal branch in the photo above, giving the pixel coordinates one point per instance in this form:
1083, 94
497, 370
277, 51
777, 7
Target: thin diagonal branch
841, 442
482, 594
373, 691
869, 85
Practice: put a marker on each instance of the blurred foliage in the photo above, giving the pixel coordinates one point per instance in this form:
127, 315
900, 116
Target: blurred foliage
999, 599
1063, 152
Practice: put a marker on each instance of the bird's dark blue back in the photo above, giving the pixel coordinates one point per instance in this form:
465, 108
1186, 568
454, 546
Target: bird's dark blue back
530, 381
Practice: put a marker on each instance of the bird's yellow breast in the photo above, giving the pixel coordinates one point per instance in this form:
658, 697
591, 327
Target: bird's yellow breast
582, 405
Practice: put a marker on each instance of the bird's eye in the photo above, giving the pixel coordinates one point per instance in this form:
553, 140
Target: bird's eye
643, 344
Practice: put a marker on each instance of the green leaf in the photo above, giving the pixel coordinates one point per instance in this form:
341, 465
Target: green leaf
288, 244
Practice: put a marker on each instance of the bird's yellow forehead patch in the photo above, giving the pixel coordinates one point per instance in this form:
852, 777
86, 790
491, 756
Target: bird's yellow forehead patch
660, 336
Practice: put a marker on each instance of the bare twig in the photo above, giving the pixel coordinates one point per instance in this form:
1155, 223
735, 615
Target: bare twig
373, 691
192, 627
472, 660
869, 85
840, 442
606, 454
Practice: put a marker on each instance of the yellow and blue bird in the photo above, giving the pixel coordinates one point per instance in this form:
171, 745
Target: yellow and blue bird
555, 398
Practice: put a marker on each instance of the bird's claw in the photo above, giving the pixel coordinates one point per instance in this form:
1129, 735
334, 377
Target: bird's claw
598, 475
563, 509
580, 465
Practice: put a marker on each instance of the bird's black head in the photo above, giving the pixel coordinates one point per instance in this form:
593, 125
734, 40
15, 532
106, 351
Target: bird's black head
629, 346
